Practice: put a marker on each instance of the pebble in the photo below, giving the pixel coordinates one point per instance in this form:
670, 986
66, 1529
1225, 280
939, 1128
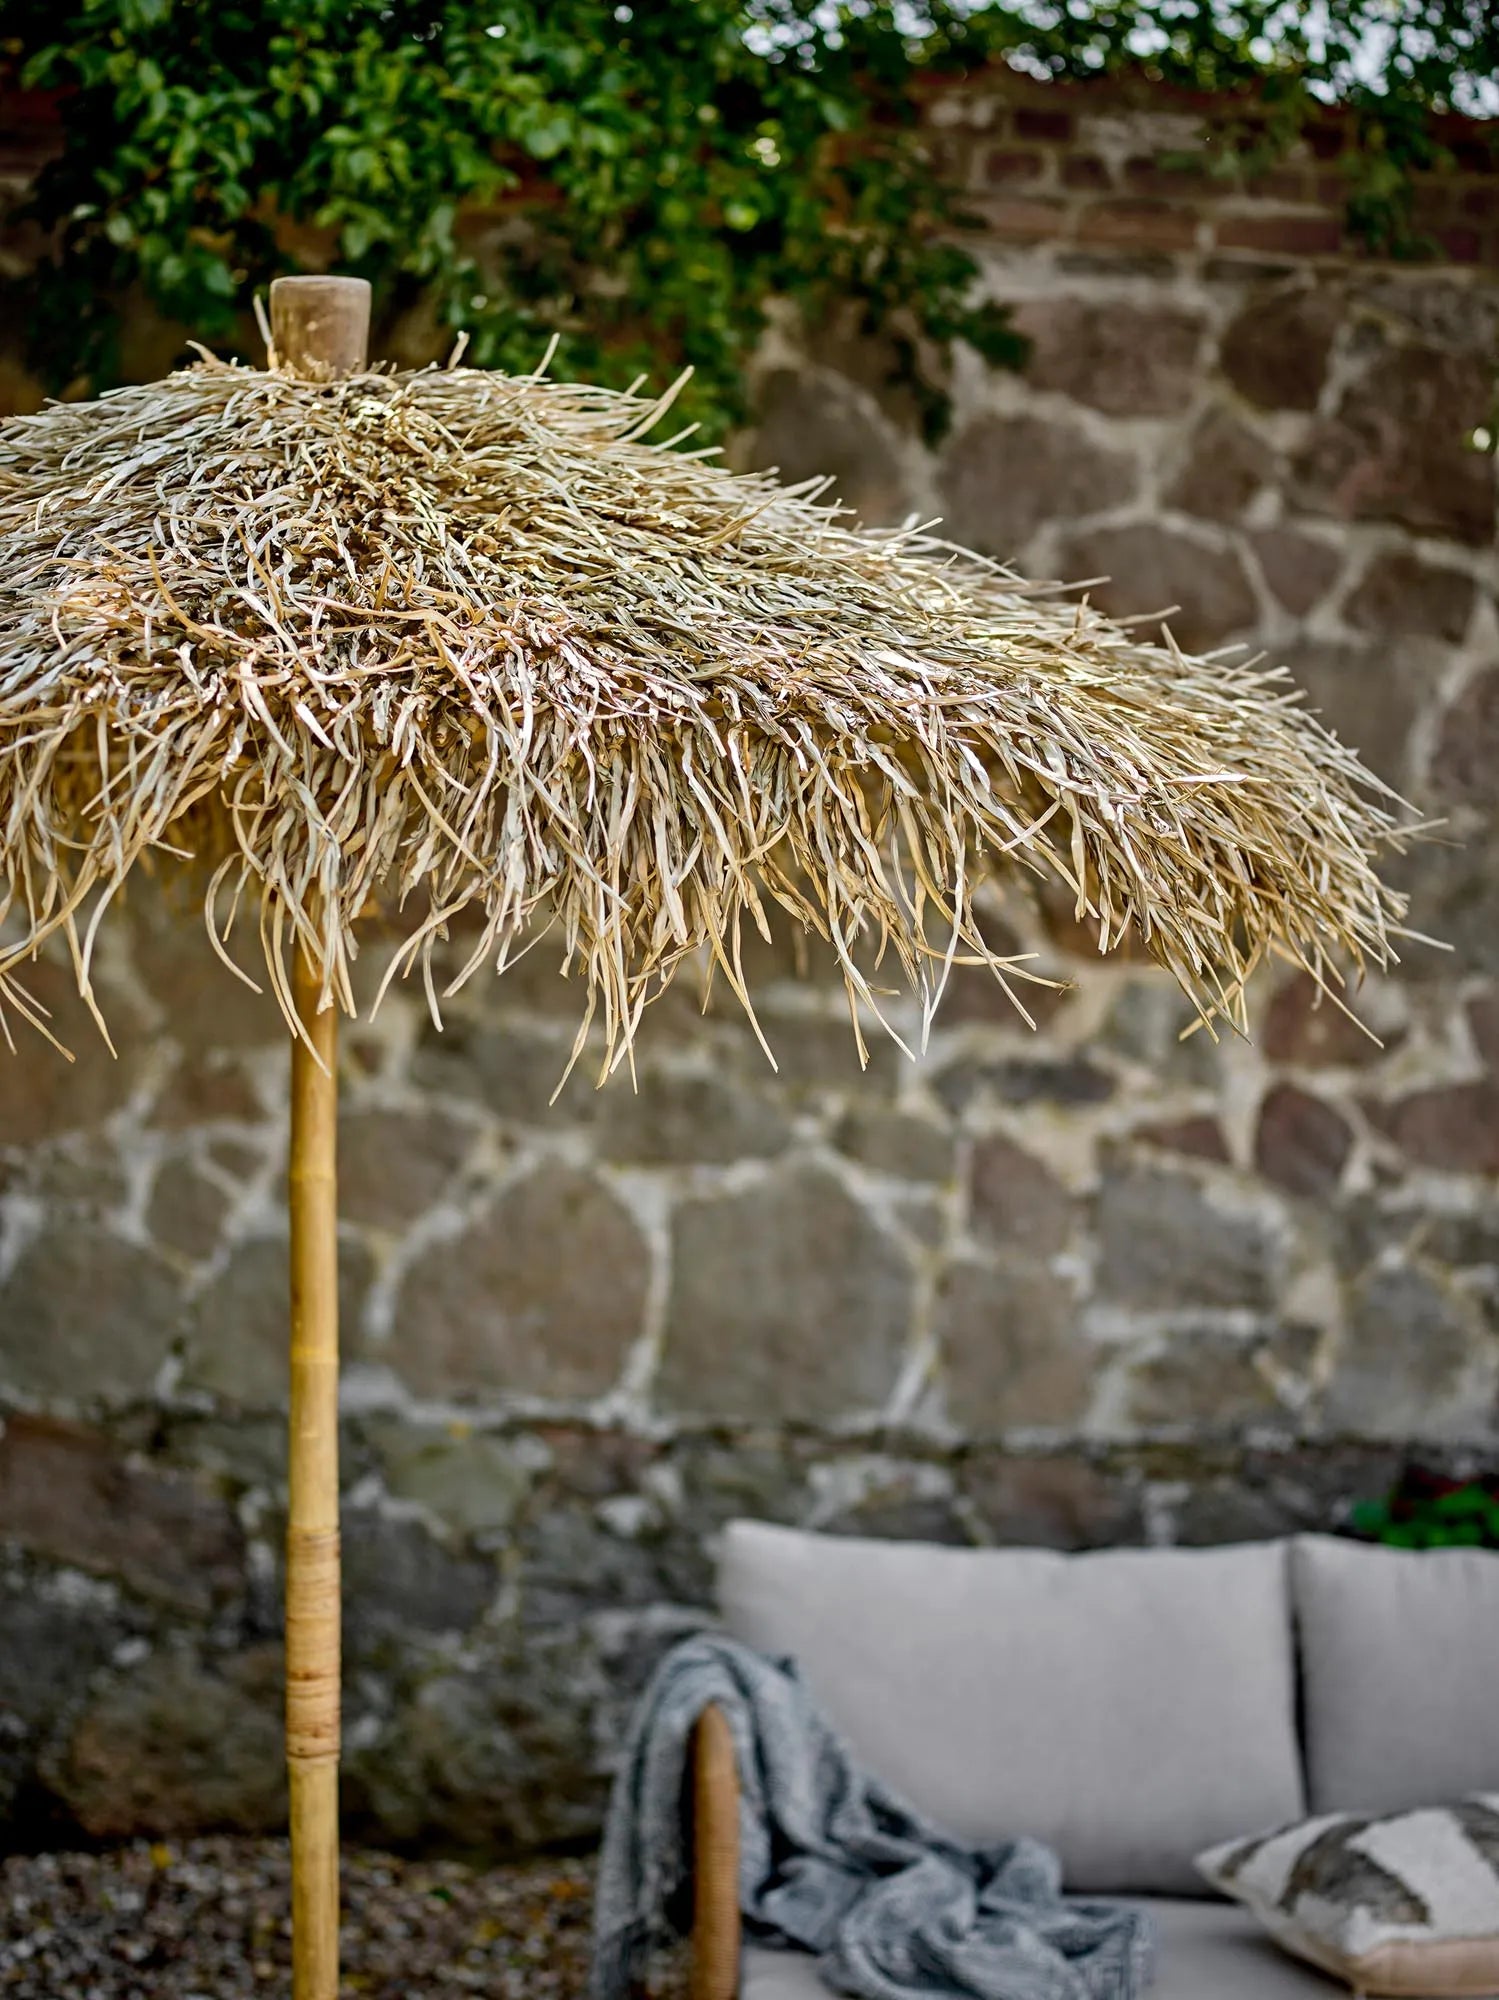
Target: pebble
206, 1919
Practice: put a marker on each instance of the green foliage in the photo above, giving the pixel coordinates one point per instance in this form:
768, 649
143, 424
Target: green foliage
1394, 66
638, 180
1429, 1512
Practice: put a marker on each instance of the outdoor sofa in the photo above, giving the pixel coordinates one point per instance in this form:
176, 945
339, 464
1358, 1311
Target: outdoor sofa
1131, 1707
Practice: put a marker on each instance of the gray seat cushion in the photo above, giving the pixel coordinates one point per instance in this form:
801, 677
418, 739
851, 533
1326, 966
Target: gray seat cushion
1208, 1951
1398, 1650
1129, 1707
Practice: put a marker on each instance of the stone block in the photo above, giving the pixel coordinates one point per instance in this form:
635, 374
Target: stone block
1057, 1501
1086, 172
1257, 1494
587, 1462
762, 1472
1071, 1082
1150, 568
787, 1301
1003, 477
541, 1296
1013, 1357
1454, 1127
176, 1744
205, 1006
572, 1562
1015, 1202
187, 1211
1198, 1138
497, 1754
1462, 1239
973, 994
1370, 699
69, 1495
1434, 306
234, 1450
1395, 449
398, 1582
1019, 219
1004, 166
1275, 350
507, 1068
1280, 233
1034, 121
1483, 1025
916, 1518
897, 1143
1415, 1362
1304, 1027
1225, 467
474, 1482
1205, 1381
809, 423
1213, 1512
54, 1642
1398, 592
1465, 767
673, 1118
42, 1094
1146, 1026
1302, 1143
1299, 569
206, 1088
84, 1314
815, 1054
241, 1321
1127, 360
393, 1165
1453, 886
1164, 1246
82, 1179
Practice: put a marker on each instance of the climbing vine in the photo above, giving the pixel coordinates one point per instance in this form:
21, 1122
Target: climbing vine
637, 179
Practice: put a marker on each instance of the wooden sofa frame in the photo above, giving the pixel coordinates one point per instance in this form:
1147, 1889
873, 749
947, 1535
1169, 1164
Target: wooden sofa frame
715, 1860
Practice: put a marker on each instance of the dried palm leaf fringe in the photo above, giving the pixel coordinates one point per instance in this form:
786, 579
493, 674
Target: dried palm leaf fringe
470, 640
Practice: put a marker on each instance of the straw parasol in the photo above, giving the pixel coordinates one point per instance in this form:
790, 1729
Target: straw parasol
470, 643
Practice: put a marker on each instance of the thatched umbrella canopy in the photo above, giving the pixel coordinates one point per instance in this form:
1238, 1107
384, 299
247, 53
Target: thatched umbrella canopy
471, 643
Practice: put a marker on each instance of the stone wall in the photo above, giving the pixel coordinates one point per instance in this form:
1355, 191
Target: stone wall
1085, 1285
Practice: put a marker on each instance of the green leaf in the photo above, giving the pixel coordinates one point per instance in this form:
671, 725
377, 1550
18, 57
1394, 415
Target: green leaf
662, 176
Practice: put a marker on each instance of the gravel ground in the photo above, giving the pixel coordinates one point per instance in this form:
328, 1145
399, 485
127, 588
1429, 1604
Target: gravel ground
206, 1920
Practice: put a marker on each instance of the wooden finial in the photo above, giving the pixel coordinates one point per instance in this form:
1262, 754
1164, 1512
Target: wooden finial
320, 327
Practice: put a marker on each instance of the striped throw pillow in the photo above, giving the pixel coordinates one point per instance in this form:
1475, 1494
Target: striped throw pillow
1405, 1903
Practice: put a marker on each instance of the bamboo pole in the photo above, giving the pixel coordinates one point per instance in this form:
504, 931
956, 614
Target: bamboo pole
320, 327
715, 1856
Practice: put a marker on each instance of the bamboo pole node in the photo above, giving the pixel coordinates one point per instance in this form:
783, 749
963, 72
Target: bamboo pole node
313, 1644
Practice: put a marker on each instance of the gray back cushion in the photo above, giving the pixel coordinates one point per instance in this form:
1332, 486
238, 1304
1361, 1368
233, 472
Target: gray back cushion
1128, 1707
1400, 1671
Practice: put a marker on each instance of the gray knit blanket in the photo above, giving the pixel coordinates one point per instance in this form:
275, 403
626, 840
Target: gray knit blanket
834, 1863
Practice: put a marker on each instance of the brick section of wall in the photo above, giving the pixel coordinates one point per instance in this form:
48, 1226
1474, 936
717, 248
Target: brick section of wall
1080, 1285
1111, 165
